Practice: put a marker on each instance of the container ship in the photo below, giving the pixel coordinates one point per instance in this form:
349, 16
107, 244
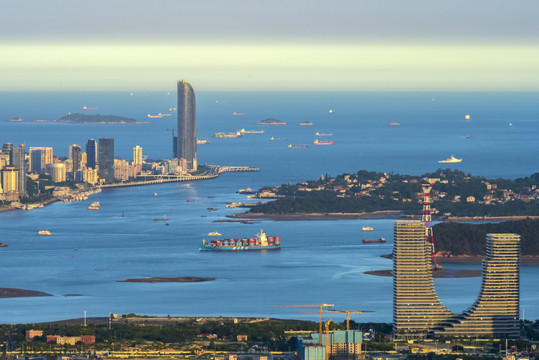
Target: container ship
319, 142
260, 242
380, 240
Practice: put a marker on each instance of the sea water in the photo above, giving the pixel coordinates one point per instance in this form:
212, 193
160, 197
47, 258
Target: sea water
320, 261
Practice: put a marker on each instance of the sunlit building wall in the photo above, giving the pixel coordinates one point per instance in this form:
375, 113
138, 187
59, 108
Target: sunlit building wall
187, 127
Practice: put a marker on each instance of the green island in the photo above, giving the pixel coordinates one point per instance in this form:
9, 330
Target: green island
457, 239
271, 121
78, 118
454, 194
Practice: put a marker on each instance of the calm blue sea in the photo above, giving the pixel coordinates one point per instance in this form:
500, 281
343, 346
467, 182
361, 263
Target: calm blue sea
321, 261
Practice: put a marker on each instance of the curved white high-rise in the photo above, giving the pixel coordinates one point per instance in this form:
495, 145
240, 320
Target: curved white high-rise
187, 126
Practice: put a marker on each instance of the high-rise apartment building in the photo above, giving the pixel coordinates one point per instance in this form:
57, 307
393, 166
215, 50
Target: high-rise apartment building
36, 160
57, 172
106, 159
416, 307
19, 162
496, 310
137, 155
10, 179
91, 154
75, 155
187, 127
47, 157
7, 148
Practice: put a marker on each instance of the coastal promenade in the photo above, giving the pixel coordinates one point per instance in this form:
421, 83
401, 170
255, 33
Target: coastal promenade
212, 172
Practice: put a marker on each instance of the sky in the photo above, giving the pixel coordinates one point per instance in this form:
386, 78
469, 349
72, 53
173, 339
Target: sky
269, 45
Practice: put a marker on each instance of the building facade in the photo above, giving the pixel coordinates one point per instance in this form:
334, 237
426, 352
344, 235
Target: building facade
137, 155
57, 172
496, 310
187, 127
106, 159
340, 343
75, 155
19, 161
416, 307
91, 154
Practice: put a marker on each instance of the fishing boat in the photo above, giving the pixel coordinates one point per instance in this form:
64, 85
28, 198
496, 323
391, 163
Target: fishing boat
94, 206
297, 146
367, 228
321, 142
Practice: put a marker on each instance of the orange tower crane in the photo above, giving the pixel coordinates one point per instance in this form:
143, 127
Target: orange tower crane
321, 310
327, 337
347, 312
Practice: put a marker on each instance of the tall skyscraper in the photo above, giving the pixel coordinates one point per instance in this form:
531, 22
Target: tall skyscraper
496, 310
46, 158
416, 307
137, 155
7, 148
75, 155
187, 127
106, 159
19, 162
91, 153
36, 157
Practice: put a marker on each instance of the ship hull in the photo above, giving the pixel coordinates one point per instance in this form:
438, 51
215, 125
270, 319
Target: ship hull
238, 248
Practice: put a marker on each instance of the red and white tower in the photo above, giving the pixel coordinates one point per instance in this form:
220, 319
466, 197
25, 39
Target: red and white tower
427, 218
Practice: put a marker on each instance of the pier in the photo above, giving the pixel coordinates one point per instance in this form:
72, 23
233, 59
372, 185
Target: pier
212, 172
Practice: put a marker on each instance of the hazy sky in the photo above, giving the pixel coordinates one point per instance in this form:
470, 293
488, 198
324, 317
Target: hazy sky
270, 45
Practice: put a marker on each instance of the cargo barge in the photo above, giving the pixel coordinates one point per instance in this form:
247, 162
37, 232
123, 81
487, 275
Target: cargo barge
260, 242
380, 240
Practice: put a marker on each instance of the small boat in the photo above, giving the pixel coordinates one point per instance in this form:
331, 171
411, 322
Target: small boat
367, 228
243, 131
321, 134
467, 136
452, 159
94, 206
394, 124
155, 116
163, 219
466, 117
214, 233
212, 209
331, 111
380, 240
237, 114
246, 191
44, 233
297, 146
272, 138
202, 142
89, 108
317, 142
306, 123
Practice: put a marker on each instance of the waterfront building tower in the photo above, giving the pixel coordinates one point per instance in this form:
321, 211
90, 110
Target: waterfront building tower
57, 172
10, 179
36, 157
19, 162
496, 310
416, 307
187, 127
7, 148
91, 154
137, 155
75, 155
106, 159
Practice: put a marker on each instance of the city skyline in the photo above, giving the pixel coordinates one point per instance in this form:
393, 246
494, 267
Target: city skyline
349, 46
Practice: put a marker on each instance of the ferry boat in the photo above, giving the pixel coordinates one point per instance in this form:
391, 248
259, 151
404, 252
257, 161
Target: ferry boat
229, 135
203, 142
44, 233
452, 159
367, 228
317, 142
297, 146
243, 131
320, 134
380, 240
94, 206
260, 242
158, 116
306, 123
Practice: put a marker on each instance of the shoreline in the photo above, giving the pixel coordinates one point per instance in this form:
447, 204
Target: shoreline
526, 260
383, 214
443, 273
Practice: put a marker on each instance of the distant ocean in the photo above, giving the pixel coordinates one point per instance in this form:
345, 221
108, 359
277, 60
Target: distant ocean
321, 261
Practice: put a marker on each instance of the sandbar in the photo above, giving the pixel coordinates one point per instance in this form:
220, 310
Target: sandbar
170, 279
13, 293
